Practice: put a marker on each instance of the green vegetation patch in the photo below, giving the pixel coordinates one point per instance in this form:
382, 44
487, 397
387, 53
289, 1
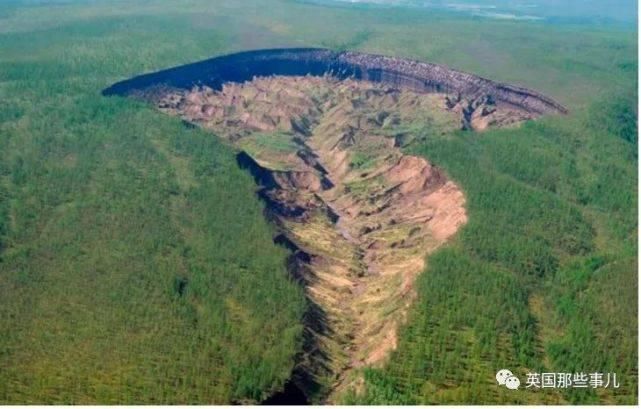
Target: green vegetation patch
274, 150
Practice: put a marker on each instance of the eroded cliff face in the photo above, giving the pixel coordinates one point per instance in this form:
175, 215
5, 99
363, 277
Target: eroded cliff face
417, 76
359, 214
322, 133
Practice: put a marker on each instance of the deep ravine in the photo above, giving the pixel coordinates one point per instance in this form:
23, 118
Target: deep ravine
322, 133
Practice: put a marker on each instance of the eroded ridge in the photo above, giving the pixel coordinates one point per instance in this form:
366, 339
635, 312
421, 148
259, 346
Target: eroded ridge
360, 215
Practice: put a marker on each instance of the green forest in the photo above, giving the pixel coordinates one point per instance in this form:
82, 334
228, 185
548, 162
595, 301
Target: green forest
136, 264
543, 277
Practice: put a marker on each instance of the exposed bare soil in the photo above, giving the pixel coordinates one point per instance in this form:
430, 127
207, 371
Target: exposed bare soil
360, 214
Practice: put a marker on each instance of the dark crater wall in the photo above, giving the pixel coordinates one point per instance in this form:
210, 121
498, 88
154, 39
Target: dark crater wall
396, 72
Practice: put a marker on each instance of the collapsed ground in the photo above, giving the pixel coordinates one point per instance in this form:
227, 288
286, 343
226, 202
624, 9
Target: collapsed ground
359, 214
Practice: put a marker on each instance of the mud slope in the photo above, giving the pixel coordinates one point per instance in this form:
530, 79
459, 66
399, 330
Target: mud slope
358, 214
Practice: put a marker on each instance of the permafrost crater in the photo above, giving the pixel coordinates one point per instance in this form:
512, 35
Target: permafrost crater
322, 133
